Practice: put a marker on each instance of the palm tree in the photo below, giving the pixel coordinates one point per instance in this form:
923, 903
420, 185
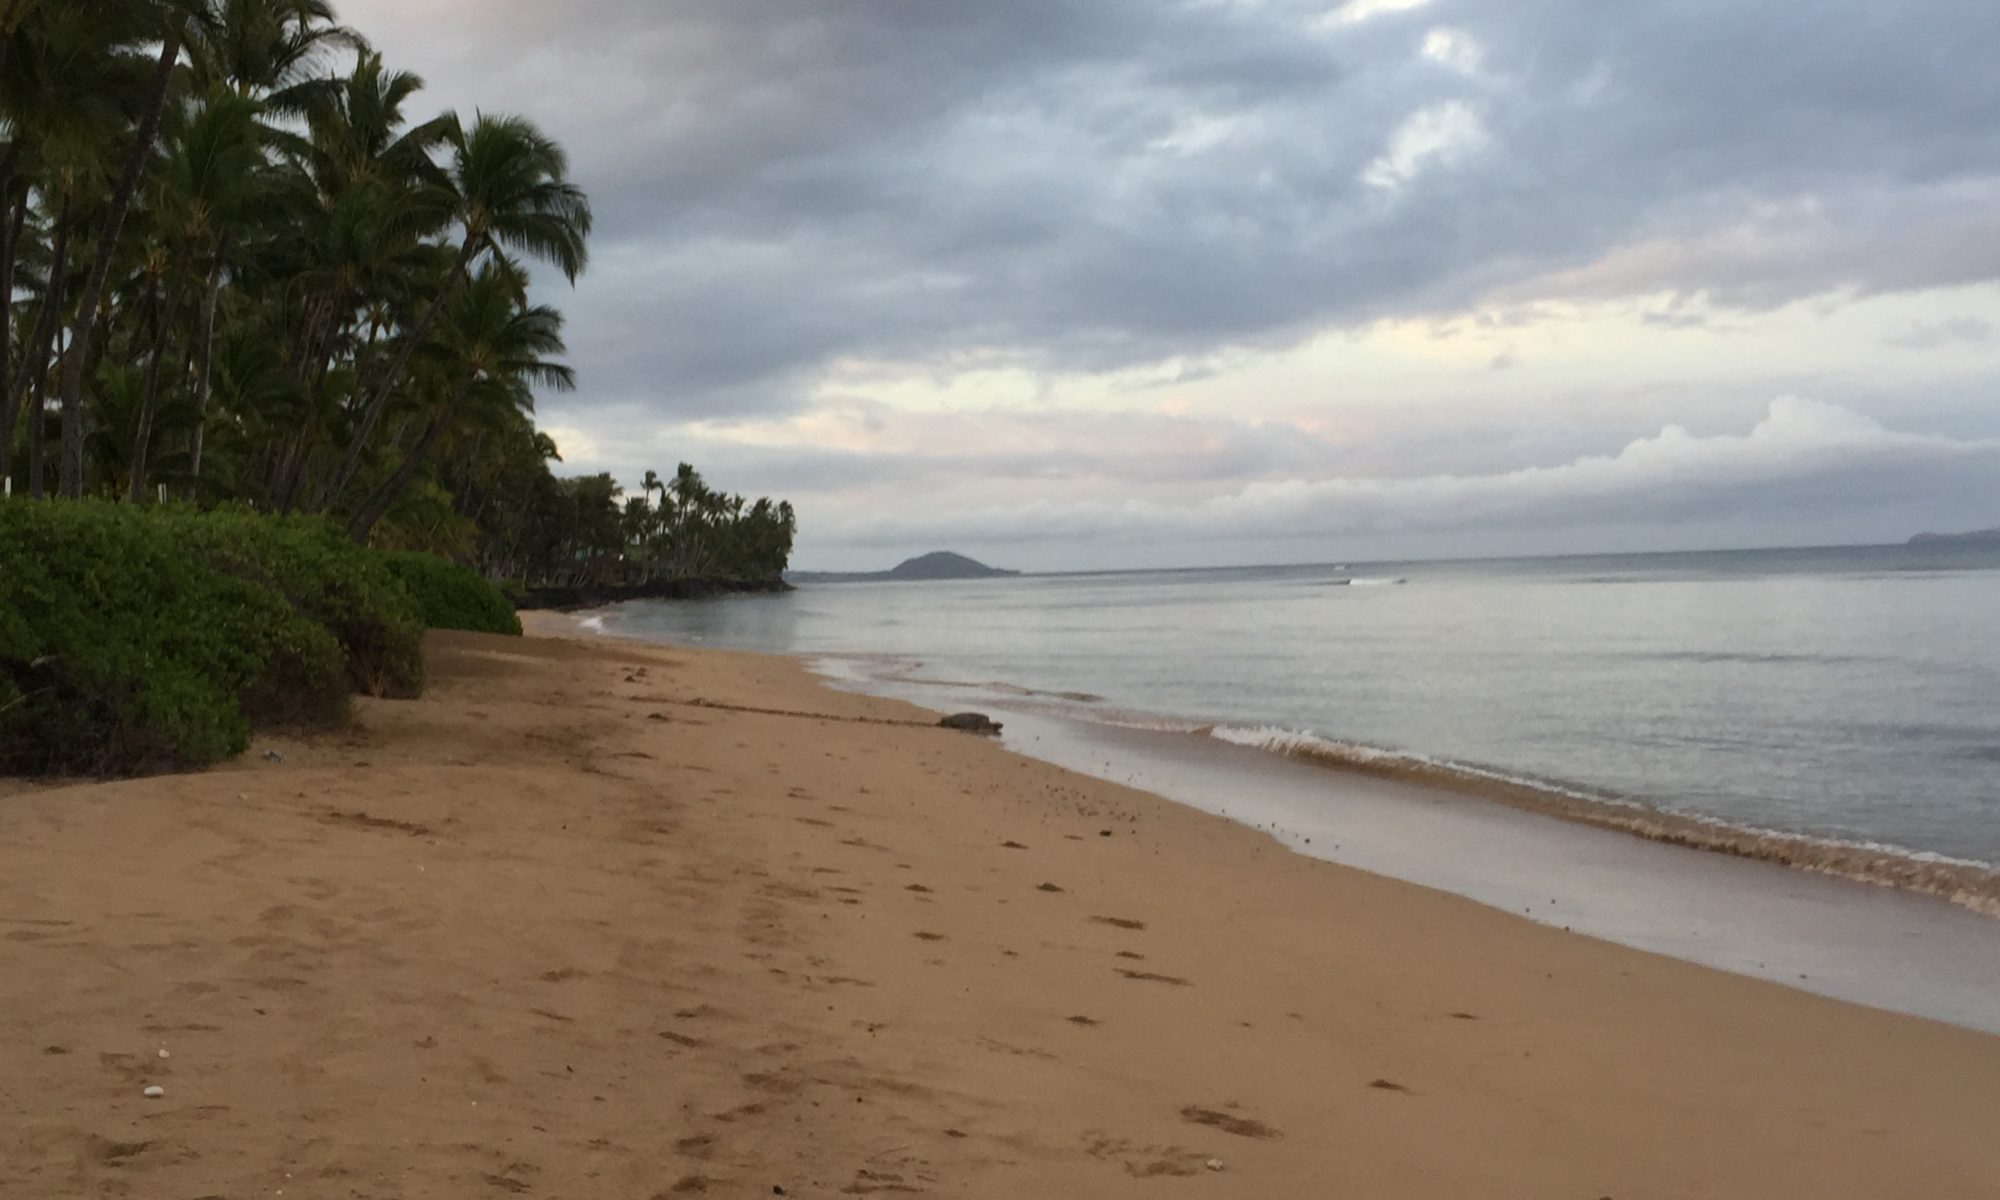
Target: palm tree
175, 20
64, 86
493, 350
270, 50
507, 186
234, 269
263, 56
212, 176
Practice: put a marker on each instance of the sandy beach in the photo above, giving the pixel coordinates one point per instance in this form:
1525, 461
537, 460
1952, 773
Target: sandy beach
597, 919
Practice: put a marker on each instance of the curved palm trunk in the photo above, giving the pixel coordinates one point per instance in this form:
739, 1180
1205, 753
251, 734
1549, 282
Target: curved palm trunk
42, 345
378, 404
10, 400
391, 489
10, 244
100, 270
38, 436
204, 364
142, 439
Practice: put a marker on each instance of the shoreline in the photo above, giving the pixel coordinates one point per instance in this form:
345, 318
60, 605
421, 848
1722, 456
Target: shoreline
1831, 919
1967, 883
1898, 957
601, 917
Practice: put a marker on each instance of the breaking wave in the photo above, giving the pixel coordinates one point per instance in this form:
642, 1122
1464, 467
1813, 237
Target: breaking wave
1965, 882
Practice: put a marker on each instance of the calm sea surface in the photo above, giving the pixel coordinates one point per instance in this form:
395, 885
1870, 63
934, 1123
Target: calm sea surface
1848, 694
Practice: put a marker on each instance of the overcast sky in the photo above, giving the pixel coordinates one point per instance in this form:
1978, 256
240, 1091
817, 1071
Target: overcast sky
1077, 283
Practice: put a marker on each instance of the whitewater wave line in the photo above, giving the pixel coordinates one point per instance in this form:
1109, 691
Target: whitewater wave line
1965, 882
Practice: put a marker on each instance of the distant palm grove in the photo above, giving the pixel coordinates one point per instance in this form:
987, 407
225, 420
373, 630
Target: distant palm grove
240, 266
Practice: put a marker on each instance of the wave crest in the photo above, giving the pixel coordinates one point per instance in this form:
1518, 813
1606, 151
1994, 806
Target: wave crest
1970, 884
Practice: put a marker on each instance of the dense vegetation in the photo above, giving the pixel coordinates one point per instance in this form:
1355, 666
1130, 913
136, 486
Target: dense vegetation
236, 267
449, 596
259, 311
579, 533
137, 639
238, 263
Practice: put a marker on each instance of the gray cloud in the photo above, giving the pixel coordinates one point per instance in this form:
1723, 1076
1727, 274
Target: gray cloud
1806, 465
1085, 186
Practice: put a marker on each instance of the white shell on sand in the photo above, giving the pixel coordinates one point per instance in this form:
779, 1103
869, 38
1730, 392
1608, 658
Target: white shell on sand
1214, 1164
164, 1054
155, 1092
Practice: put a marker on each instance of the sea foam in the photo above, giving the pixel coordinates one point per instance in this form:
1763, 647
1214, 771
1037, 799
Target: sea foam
1966, 882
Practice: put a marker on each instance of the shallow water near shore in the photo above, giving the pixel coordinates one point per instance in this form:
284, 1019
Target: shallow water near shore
1837, 709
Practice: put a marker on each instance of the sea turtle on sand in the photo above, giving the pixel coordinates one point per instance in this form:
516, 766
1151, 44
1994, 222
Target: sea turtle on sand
972, 722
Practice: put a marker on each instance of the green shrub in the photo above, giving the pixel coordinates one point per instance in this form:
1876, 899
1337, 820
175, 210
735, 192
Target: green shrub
319, 570
123, 651
452, 597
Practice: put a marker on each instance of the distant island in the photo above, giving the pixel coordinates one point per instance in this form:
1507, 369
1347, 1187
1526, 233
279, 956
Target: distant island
932, 567
1978, 537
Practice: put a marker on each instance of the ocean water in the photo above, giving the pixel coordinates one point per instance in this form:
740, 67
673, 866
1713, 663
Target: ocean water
1834, 710
1847, 700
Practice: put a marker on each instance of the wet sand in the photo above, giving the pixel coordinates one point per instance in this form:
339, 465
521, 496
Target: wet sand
599, 919
1884, 947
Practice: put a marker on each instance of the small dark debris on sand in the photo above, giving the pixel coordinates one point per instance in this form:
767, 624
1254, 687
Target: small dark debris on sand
972, 722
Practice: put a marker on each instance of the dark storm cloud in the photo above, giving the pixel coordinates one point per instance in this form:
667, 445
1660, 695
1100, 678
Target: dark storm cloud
1090, 185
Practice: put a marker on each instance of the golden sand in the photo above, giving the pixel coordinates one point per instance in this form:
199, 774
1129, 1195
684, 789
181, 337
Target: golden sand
601, 920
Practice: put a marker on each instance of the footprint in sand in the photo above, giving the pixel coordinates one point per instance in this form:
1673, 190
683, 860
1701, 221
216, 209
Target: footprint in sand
1144, 1162
1154, 977
1120, 922
1229, 1123
105, 1150
1048, 887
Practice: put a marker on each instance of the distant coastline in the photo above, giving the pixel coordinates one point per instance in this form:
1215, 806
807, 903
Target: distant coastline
1980, 538
937, 566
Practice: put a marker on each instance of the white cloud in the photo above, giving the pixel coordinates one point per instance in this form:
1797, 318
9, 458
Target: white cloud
1356, 11
1952, 331
1456, 49
1444, 134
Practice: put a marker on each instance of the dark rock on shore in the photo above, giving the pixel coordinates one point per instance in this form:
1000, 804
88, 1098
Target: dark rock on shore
567, 599
972, 722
